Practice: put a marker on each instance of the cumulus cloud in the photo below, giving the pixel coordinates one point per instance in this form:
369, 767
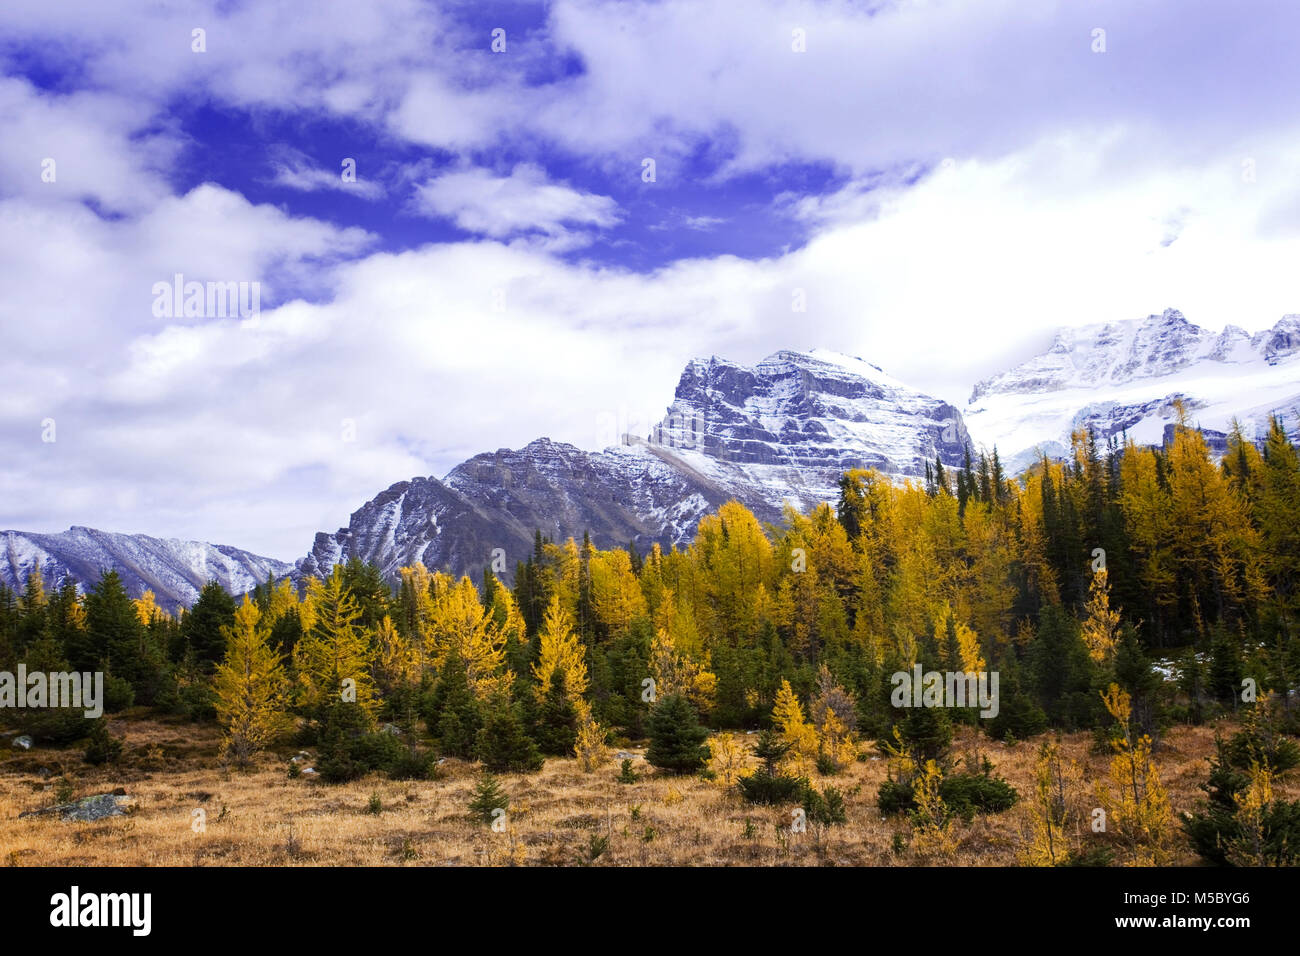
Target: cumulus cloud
78, 146
920, 79
1078, 187
441, 352
523, 201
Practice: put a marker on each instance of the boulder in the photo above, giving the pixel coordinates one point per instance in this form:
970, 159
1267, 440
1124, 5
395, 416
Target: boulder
99, 807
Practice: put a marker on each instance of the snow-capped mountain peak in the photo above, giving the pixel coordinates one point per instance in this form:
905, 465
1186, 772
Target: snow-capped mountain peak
174, 569
783, 430
1127, 376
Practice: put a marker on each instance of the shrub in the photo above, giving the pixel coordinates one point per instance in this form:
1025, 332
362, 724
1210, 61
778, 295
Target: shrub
118, 693
1216, 830
768, 785
765, 788
895, 797
102, 746
964, 794
1093, 856
53, 725
417, 766
926, 732
824, 809
198, 701
503, 745
488, 797
1259, 741
349, 750
1018, 716
967, 794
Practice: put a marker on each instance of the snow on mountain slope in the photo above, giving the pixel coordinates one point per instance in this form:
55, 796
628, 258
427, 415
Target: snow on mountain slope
791, 425
498, 500
174, 570
781, 431
1124, 377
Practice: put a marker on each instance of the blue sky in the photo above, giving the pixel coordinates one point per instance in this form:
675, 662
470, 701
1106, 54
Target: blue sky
944, 181
693, 207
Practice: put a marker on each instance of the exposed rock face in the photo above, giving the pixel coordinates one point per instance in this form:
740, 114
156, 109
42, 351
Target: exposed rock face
88, 809
497, 500
1129, 377
174, 570
781, 431
809, 416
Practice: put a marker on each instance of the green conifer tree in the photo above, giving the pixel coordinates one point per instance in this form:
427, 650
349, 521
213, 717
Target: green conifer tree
676, 737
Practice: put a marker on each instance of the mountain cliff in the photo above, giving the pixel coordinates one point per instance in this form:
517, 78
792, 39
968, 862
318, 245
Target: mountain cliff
781, 431
174, 570
1129, 377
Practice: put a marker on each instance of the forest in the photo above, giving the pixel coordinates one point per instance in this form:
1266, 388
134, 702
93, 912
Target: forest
1122, 593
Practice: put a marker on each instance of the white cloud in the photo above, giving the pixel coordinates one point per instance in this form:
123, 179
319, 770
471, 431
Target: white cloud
523, 201
294, 171
1071, 172
894, 82
703, 223
191, 427
80, 146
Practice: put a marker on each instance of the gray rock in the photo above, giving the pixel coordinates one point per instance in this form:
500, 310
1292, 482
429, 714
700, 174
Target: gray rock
391, 729
174, 570
787, 427
24, 742
99, 807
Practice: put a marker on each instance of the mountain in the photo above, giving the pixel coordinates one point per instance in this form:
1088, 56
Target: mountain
1126, 377
498, 500
174, 570
783, 430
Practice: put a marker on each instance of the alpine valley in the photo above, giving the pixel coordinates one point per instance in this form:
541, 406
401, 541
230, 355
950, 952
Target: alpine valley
780, 432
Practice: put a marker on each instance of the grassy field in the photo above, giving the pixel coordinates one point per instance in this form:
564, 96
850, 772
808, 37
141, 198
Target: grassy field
263, 817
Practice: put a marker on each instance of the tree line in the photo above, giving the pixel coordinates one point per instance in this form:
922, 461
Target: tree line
1066, 580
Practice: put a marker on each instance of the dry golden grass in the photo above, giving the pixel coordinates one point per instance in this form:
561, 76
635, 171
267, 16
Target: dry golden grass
264, 818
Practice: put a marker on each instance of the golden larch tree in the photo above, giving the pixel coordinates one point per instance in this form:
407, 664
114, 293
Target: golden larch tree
1135, 801
793, 726
1101, 623
461, 625
250, 686
333, 659
561, 651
